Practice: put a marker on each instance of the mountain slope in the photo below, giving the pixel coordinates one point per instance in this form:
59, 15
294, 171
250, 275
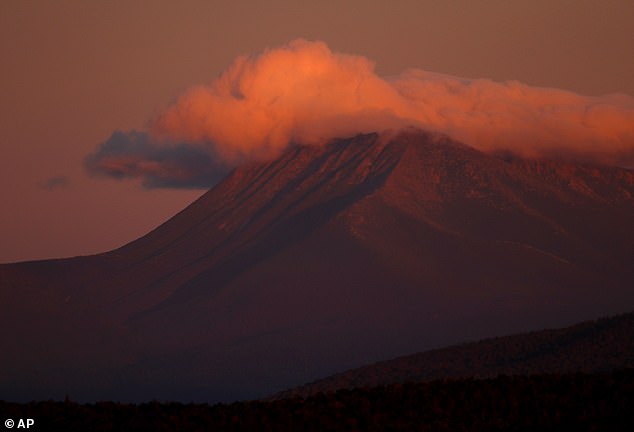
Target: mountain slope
321, 260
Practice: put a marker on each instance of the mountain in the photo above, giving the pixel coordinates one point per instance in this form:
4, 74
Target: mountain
324, 259
597, 346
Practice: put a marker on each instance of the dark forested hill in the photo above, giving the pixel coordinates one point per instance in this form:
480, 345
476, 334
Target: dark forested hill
592, 346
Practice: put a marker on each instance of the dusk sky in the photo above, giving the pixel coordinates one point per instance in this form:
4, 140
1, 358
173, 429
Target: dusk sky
73, 73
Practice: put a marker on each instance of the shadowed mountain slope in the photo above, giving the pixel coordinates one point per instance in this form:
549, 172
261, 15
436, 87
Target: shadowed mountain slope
326, 258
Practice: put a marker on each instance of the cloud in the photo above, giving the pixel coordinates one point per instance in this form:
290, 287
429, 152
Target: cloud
305, 93
301, 92
135, 155
57, 182
515, 117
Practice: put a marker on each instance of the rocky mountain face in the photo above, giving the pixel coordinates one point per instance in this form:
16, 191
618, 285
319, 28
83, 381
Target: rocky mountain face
326, 258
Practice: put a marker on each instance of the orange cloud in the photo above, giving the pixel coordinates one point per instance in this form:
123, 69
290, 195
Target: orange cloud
304, 93
298, 93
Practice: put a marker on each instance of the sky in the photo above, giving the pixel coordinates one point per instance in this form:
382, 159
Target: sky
82, 80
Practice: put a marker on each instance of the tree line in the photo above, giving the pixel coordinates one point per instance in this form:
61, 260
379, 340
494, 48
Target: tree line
553, 402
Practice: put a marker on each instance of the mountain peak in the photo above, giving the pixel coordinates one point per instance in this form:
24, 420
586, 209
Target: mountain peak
323, 259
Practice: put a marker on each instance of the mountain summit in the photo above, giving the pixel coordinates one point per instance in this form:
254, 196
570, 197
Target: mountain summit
326, 258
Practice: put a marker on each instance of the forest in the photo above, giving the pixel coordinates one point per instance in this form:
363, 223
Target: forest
546, 402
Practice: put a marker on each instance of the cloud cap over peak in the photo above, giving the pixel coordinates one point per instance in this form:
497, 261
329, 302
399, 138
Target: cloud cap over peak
296, 93
303, 92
